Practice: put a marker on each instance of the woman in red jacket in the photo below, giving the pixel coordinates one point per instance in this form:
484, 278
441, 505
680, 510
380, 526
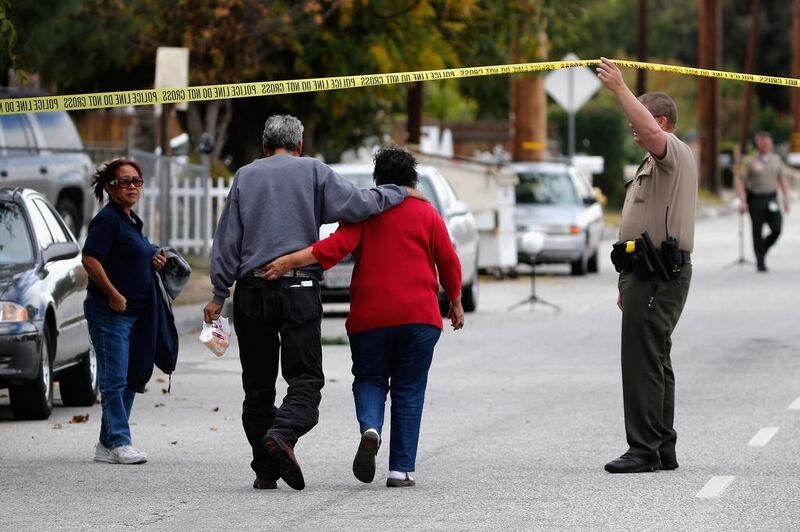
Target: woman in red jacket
394, 320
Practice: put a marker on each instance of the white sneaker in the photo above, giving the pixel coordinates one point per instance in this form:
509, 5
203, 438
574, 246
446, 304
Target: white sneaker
101, 453
126, 454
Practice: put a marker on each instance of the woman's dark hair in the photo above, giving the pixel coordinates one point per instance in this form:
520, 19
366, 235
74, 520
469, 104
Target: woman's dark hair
108, 171
395, 166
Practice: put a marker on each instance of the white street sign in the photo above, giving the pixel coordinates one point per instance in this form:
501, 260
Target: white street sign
583, 80
172, 70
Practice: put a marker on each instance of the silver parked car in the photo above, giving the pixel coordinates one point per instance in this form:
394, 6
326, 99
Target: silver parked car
457, 216
556, 200
43, 152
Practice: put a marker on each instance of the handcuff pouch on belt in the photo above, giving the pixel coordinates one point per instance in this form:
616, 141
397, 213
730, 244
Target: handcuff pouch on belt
644, 259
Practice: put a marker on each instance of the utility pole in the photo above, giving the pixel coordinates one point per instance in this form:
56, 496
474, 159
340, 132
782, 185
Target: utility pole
708, 94
414, 111
166, 114
750, 66
641, 49
796, 74
529, 116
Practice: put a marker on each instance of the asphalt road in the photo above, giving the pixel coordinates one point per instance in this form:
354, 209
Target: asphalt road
522, 411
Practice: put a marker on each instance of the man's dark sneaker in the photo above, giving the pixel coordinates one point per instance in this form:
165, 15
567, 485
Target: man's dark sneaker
364, 462
400, 482
288, 467
264, 484
629, 463
761, 264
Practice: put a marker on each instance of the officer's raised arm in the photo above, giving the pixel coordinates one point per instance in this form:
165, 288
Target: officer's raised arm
649, 131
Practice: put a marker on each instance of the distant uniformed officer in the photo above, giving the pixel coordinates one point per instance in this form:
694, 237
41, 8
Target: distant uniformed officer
757, 188
661, 199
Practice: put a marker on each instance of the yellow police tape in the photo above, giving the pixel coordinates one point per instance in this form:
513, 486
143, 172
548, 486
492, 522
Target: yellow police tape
101, 100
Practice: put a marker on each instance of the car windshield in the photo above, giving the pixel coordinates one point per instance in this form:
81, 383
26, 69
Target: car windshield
546, 188
15, 242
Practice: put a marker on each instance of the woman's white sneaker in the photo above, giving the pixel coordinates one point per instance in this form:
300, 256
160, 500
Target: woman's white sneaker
126, 454
101, 453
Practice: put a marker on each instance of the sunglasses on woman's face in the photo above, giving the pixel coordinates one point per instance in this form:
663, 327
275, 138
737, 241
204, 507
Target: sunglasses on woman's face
136, 182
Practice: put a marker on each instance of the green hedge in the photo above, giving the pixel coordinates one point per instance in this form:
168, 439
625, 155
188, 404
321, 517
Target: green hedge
598, 132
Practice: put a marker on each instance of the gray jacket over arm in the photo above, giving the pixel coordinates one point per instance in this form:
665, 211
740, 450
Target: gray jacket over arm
276, 206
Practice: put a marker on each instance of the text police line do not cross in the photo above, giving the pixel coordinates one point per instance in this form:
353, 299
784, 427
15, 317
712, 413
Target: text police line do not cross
103, 100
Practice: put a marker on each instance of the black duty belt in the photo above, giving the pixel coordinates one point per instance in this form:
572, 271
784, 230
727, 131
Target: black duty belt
686, 257
762, 195
259, 273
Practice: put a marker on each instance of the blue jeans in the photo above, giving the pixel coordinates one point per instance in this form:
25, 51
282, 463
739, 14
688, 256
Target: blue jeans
112, 335
397, 359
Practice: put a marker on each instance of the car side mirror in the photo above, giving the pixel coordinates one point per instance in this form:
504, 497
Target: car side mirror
60, 251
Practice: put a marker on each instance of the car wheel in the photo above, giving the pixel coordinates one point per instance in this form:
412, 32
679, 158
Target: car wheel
469, 295
71, 214
79, 385
592, 265
580, 266
34, 399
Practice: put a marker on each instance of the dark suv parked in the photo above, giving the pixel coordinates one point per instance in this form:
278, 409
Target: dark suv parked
43, 151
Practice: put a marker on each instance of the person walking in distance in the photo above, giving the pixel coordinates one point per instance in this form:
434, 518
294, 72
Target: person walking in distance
757, 186
660, 201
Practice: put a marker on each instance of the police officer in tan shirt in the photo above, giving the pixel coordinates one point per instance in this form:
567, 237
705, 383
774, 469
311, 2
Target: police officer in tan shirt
661, 200
757, 188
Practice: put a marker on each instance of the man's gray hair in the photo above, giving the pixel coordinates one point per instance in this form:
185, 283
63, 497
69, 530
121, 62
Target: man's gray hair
282, 131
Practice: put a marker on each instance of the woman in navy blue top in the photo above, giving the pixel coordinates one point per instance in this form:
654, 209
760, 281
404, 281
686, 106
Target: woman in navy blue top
119, 260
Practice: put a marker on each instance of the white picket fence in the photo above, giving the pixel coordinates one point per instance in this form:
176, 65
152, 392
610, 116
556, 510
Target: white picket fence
186, 213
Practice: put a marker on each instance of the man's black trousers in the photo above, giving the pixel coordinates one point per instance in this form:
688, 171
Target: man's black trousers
278, 321
764, 210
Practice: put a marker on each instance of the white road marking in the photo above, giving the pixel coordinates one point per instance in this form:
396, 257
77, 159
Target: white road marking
763, 436
714, 487
795, 405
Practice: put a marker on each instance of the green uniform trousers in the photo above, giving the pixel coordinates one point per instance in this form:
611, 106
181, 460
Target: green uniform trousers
760, 214
650, 310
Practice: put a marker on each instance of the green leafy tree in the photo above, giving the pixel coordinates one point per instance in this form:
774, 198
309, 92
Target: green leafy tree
8, 38
508, 32
95, 45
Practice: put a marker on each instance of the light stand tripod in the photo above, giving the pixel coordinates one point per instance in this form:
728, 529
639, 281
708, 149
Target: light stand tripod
532, 243
533, 299
741, 261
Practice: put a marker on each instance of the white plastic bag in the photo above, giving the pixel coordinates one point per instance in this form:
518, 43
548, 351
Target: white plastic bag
216, 335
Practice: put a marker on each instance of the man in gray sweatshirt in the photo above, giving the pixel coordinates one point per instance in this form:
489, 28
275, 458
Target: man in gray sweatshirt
276, 206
